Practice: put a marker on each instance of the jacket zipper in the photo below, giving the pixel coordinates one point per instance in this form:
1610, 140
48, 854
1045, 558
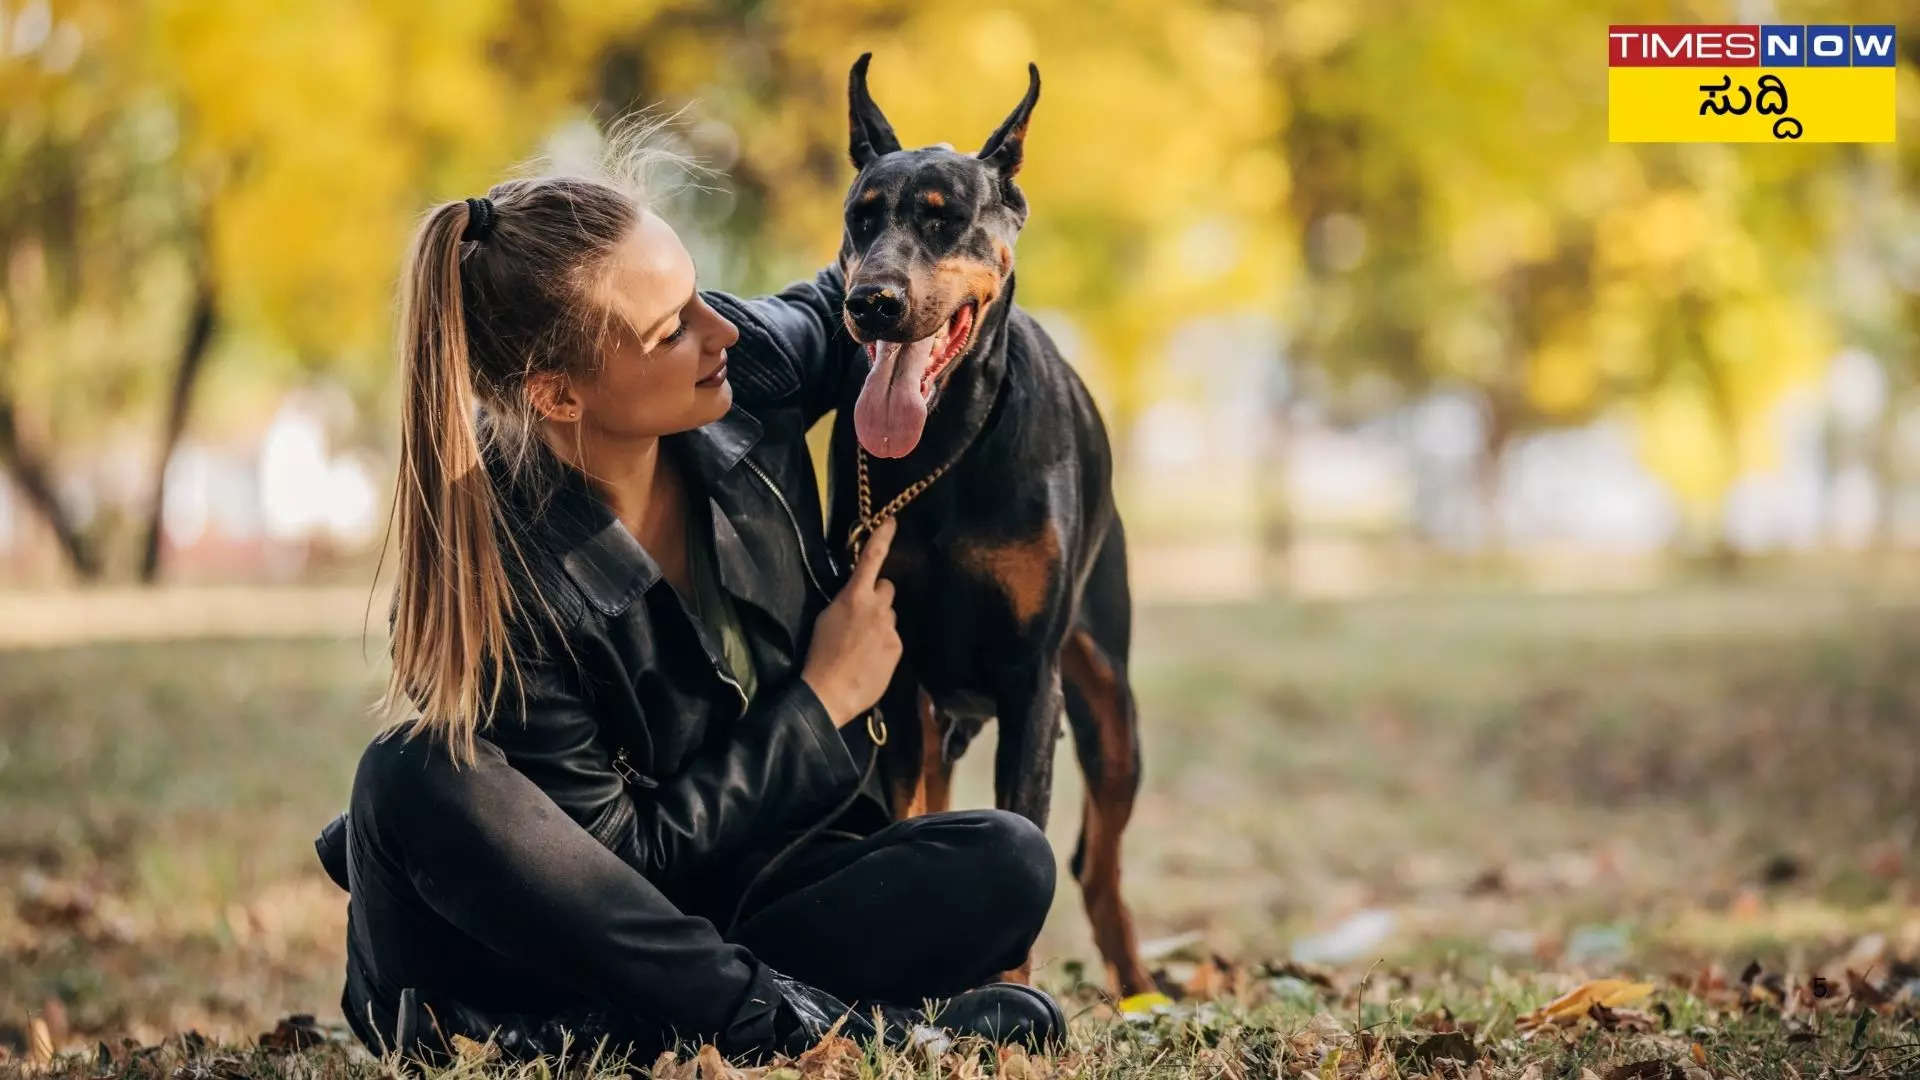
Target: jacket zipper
799, 537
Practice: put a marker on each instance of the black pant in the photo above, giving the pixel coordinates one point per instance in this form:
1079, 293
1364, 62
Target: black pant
470, 886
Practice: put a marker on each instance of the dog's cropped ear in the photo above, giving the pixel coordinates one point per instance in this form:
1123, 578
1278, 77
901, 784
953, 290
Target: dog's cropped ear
1004, 147
872, 136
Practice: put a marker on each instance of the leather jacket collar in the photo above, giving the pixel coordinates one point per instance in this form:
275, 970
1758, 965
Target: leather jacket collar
610, 567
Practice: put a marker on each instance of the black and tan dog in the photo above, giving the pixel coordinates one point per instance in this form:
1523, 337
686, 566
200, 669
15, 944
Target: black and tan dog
1010, 564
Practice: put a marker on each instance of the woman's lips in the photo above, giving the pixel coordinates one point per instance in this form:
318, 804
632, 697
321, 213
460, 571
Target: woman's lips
719, 376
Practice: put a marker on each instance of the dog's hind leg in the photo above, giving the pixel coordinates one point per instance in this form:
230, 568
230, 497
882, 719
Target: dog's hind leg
1106, 737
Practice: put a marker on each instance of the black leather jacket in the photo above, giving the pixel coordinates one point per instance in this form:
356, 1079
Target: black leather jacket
629, 720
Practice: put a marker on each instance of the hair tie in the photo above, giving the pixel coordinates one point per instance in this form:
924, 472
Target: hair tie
480, 217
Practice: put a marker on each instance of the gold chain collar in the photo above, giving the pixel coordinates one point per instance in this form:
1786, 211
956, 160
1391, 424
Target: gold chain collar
863, 530
869, 520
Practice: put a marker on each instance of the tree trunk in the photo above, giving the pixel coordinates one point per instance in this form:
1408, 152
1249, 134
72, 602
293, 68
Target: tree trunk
186, 375
34, 478
1273, 504
1495, 437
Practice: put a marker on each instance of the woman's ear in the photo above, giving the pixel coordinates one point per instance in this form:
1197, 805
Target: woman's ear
552, 395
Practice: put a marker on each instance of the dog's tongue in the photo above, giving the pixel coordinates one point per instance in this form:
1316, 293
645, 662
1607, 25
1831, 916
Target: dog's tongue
892, 409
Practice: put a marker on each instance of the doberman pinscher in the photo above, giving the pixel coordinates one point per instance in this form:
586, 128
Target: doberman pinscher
1009, 564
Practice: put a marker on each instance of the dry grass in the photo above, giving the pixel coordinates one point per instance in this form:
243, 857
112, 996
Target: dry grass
1466, 801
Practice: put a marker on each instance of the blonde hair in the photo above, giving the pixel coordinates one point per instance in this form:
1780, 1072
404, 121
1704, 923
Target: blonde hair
477, 319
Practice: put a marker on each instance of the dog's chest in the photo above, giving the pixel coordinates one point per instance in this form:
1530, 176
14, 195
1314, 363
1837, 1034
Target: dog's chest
969, 601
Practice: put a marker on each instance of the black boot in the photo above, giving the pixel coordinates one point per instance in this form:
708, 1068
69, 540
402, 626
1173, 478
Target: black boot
1002, 1012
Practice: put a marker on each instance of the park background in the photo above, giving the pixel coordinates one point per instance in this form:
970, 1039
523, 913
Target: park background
1526, 528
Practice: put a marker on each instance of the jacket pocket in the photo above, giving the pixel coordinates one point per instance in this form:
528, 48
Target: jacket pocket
613, 824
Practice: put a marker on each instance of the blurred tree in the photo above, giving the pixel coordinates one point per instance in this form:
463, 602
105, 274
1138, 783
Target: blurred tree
242, 175
1467, 223
1152, 169
289, 146
191, 188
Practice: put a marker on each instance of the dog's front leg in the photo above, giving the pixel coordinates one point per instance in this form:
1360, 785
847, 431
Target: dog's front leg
1029, 715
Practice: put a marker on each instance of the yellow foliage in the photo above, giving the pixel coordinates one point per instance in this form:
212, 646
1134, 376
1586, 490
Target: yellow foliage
1561, 377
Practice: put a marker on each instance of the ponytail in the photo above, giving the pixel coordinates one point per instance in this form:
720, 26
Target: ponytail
452, 599
480, 315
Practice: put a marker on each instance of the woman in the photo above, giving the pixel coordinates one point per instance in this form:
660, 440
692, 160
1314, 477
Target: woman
628, 688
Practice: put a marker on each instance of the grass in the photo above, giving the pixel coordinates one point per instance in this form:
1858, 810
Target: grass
1379, 814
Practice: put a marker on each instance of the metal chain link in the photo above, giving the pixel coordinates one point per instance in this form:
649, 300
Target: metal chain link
869, 521
863, 530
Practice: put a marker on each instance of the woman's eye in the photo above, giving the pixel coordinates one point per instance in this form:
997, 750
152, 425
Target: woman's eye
673, 338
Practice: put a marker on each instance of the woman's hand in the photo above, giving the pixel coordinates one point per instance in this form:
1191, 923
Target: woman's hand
855, 644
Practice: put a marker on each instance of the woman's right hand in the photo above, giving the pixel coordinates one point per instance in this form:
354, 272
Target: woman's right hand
855, 643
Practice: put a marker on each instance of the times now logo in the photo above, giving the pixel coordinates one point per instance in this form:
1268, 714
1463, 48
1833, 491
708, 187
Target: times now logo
1750, 46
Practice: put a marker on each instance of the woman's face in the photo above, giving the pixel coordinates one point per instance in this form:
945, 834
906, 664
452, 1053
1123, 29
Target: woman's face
668, 373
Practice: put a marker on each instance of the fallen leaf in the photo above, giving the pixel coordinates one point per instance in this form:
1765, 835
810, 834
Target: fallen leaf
1142, 1004
1865, 992
1449, 1044
1699, 1054
1211, 978
712, 1066
469, 1050
1621, 1019
292, 1034
39, 1042
1574, 1004
668, 1066
1016, 1065
834, 1057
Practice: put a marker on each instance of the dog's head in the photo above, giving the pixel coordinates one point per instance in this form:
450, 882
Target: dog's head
928, 249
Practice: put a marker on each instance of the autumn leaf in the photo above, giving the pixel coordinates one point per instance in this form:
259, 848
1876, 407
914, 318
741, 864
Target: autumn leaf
713, 1066
1571, 1006
1213, 977
834, 1057
1865, 992
39, 1042
668, 1066
468, 1050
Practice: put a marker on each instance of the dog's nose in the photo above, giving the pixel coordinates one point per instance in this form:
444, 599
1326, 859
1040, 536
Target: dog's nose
876, 308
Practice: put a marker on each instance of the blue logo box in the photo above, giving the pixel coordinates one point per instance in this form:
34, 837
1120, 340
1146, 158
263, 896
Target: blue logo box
1827, 45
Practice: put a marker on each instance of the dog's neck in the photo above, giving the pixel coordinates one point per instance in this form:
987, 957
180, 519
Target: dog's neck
965, 403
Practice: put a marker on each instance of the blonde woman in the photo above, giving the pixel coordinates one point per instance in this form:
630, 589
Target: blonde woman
632, 678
